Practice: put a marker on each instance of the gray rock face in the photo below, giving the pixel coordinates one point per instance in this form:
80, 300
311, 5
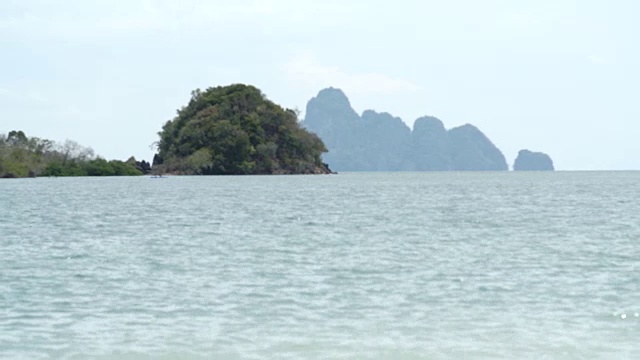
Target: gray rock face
533, 161
430, 148
332, 118
381, 142
386, 141
471, 150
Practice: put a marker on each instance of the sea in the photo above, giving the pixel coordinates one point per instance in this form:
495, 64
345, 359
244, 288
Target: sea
425, 265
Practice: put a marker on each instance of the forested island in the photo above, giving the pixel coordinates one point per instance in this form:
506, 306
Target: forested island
236, 130
23, 156
230, 130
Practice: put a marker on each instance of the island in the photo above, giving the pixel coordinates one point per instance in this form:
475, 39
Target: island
532, 161
381, 142
22, 156
236, 130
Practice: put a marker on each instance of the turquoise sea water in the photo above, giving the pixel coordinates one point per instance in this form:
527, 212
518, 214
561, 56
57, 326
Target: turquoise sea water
349, 266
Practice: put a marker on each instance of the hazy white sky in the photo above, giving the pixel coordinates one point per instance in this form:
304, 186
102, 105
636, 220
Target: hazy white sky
557, 76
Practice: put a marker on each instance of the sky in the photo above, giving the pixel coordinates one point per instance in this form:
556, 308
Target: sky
556, 76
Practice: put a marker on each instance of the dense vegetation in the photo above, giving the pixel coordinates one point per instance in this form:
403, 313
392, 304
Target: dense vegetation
236, 130
21, 156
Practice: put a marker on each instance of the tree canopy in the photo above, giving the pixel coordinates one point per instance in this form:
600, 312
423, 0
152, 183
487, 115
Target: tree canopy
22, 156
233, 130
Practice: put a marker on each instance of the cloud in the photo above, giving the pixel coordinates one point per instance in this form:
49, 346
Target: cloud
305, 70
89, 20
39, 97
74, 111
31, 96
39, 100
597, 59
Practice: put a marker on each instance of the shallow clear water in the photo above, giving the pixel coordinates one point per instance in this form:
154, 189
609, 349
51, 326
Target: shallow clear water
351, 266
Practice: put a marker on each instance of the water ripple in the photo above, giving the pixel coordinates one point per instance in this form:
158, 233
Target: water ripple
375, 266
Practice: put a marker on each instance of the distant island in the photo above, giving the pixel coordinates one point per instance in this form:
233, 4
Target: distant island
533, 161
236, 130
381, 142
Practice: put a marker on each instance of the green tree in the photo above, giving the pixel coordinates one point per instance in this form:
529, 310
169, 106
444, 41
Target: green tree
21, 156
236, 130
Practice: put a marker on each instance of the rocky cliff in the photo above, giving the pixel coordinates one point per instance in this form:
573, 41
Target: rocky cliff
381, 142
532, 161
